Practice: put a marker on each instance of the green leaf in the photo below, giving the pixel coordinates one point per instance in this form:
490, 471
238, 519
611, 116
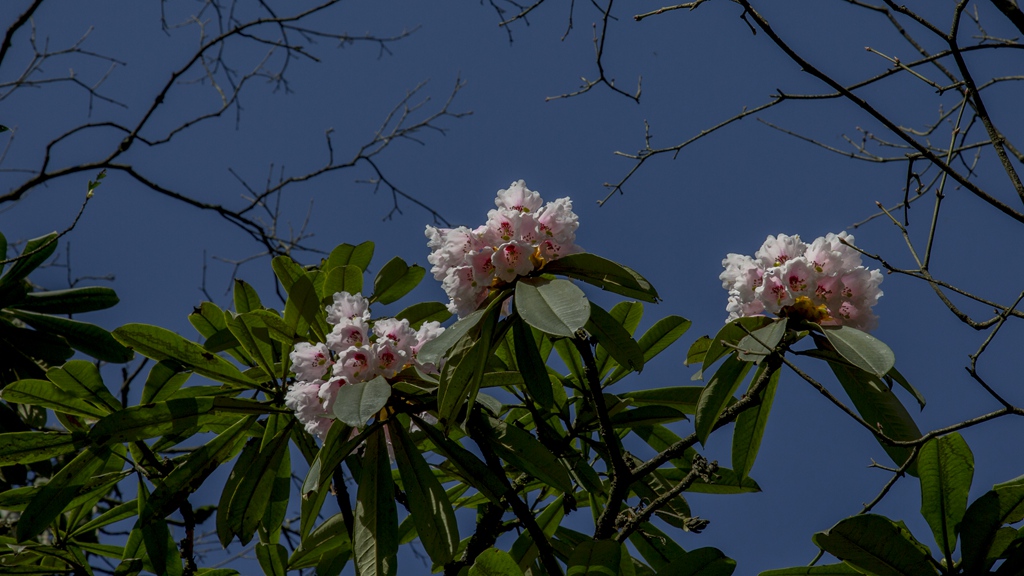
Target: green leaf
750, 425
253, 335
28, 447
1004, 504
54, 496
627, 315
762, 342
701, 562
494, 562
343, 279
422, 312
557, 307
716, 395
376, 520
71, 301
188, 476
395, 280
252, 493
349, 255
861, 349
161, 548
246, 298
879, 407
604, 274
429, 507
329, 537
86, 338
162, 344
432, 352
273, 559
474, 472
287, 271
645, 416
730, 335
895, 375
656, 339
82, 379
945, 467
165, 378
519, 448
698, 350
524, 550
169, 417
822, 570
280, 492
682, 398
876, 544
357, 403
595, 558
36, 251
615, 339
46, 394
302, 307
461, 375
531, 365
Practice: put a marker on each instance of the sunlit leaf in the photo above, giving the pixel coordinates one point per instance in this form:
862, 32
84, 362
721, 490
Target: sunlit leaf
82, 336
375, 536
28, 447
861, 349
945, 467
245, 297
358, 402
716, 394
595, 558
494, 562
604, 274
750, 425
54, 496
876, 544
396, 279
71, 301
557, 307
615, 339
656, 339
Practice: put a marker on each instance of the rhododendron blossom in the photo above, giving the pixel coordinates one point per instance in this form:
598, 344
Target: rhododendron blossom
521, 235
358, 349
823, 281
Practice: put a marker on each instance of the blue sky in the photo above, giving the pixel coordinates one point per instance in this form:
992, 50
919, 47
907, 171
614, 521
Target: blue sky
675, 223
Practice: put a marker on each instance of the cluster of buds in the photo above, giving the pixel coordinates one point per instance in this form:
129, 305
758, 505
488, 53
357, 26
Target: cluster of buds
358, 349
823, 282
520, 236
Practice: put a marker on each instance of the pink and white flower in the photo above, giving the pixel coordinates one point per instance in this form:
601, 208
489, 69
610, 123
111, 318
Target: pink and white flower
823, 281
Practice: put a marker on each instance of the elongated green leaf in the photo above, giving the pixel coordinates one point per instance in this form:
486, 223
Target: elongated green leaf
118, 513
615, 339
287, 271
190, 474
698, 350
473, 470
36, 251
461, 375
82, 336
165, 378
879, 407
54, 496
162, 344
702, 562
395, 279
750, 425
895, 375
376, 521
876, 544
357, 403
422, 312
432, 352
228, 524
273, 559
716, 395
71, 301
331, 536
604, 274
169, 417
46, 394
842, 569
82, 379
861, 349
627, 315
429, 507
342, 279
531, 366
761, 342
522, 450
656, 547
161, 549
253, 335
945, 467
682, 398
316, 486
245, 297
730, 335
28, 447
656, 339
494, 562
595, 558
303, 307
524, 550
1003, 504
646, 415
349, 255
252, 494
280, 492
557, 307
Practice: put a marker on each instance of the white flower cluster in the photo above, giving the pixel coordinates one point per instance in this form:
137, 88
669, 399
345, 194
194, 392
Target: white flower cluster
520, 236
822, 281
357, 350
